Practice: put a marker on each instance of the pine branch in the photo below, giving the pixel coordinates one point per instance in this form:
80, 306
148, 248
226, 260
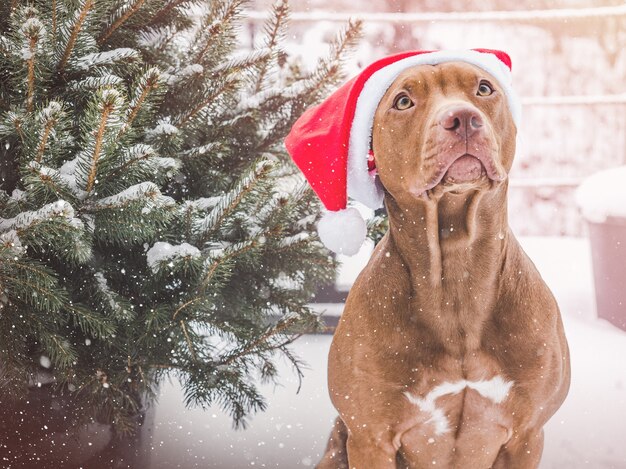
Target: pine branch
46, 183
148, 82
162, 13
232, 252
90, 84
328, 70
32, 30
69, 47
44, 139
185, 305
61, 352
107, 108
119, 22
54, 21
279, 328
144, 191
17, 121
217, 26
274, 31
238, 66
41, 297
143, 152
188, 340
231, 200
31, 75
50, 116
227, 86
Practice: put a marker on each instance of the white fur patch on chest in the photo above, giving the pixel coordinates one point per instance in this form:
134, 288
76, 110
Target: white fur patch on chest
496, 389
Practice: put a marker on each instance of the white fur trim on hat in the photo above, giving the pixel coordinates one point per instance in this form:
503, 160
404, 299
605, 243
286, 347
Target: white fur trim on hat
365, 187
343, 231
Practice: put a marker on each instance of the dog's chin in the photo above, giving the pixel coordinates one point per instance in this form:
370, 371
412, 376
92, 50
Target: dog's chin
465, 173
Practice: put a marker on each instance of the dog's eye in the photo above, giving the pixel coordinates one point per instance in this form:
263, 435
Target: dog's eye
402, 102
484, 89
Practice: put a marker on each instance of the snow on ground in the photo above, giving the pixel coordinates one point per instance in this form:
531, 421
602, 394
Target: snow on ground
596, 203
587, 432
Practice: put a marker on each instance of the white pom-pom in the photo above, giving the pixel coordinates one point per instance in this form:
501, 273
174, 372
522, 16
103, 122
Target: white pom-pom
343, 232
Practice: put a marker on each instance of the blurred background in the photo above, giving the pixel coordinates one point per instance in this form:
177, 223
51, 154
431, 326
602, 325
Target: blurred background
569, 68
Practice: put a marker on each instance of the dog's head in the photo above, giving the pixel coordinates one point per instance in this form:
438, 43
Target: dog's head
443, 127
436, 121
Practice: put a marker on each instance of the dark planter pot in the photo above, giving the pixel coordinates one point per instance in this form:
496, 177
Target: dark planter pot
608, 249
40, 433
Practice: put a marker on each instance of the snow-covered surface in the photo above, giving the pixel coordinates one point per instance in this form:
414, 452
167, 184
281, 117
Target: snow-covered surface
164, 127
603, 195
144, 190
587, 432
60, 208
162, 252
105, 58
11, 240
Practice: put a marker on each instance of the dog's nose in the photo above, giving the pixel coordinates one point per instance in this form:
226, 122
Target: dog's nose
461, 119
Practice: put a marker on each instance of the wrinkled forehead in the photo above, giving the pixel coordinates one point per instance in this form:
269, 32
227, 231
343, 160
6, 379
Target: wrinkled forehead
444, 76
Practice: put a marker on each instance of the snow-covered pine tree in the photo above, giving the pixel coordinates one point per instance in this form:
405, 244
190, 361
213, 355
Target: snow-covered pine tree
151, 223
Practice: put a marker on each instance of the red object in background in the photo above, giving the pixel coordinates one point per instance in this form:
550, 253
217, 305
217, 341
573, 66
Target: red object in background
608, 249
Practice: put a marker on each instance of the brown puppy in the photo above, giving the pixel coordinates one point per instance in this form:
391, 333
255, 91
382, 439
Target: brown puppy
450, 352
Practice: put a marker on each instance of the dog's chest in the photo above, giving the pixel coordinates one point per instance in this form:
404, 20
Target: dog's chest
448, 411
457, 423
441, 404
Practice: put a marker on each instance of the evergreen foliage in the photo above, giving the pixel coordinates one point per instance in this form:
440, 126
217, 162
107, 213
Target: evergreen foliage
151, 224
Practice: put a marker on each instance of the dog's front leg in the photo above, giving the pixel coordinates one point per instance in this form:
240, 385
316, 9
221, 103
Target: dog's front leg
367, 450
523, 451
336, 456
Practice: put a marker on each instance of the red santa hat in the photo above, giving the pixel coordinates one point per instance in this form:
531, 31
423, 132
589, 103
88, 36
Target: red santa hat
330, 142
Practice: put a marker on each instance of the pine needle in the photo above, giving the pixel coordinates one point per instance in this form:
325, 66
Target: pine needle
106, 110
106, 34
69, 47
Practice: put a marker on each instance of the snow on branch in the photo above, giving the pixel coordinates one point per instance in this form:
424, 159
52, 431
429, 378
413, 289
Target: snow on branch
33, 32
61, 181
164, 127
184, 73
111, 297
105, 58
143, 191
202, 149
58, 209
475, 16
203, 203
95, 83
295, 239
9, 240
162, 252
48, 117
